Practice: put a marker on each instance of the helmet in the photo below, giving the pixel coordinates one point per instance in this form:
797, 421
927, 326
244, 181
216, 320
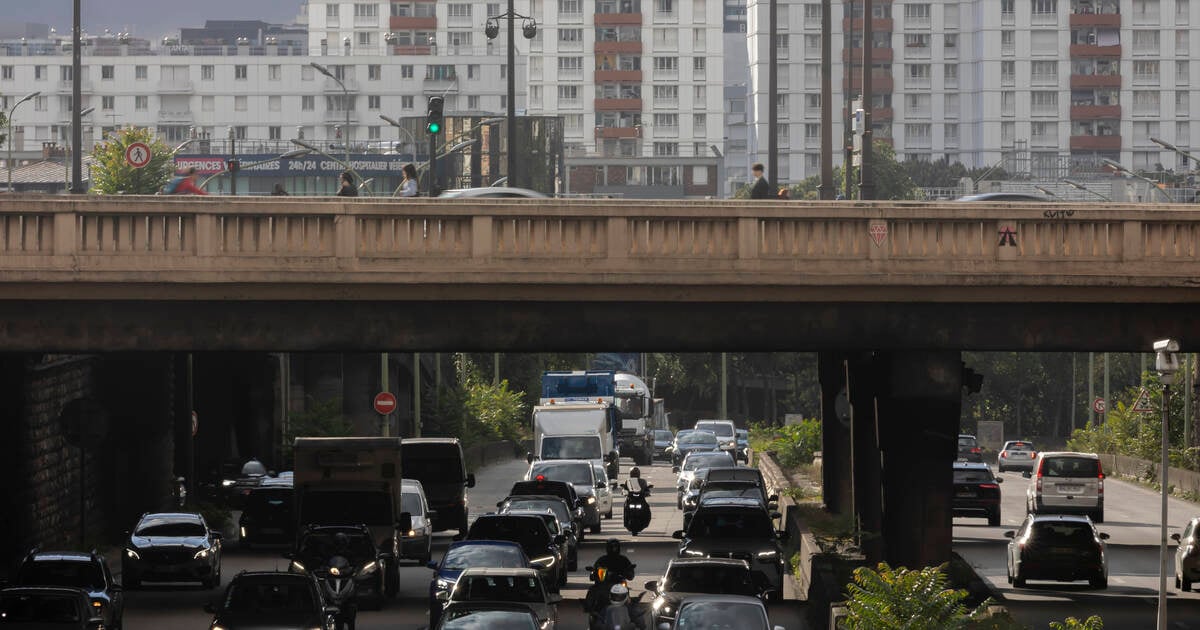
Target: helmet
613, 547
618, 593
635, 473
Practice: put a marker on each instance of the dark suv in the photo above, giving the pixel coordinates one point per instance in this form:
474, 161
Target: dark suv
739, 528
88, 571
439, 465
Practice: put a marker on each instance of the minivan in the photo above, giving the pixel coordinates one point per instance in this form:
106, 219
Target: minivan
439, 465
1065, 482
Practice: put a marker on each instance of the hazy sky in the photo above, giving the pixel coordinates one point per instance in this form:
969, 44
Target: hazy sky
146, 18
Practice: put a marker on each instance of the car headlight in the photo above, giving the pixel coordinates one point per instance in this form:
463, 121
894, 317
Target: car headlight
591, 500
131, 554
368, 568
766, 555
298, 568
202, 554
546, 561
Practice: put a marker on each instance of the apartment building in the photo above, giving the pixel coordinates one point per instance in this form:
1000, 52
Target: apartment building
1045, 87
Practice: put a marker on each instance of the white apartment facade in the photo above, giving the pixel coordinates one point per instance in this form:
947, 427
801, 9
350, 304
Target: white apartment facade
1047, 87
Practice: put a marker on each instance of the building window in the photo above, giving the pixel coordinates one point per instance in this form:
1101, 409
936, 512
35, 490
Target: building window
308, 103
140, 72
141, 103
239, 72
108, 103
373, 101
406, 71
239, 103
406, 102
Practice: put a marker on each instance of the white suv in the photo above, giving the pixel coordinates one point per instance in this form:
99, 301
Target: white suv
1065, 482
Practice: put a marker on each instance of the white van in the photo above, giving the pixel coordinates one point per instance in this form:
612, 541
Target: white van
1066, 483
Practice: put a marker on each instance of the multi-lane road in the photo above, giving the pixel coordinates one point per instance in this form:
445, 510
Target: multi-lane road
181, 608
1131, 516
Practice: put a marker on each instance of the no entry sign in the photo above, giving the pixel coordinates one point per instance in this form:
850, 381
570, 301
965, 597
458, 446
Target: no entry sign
385, 403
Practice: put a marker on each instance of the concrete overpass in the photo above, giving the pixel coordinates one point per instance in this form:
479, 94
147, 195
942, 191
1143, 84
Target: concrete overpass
890, 292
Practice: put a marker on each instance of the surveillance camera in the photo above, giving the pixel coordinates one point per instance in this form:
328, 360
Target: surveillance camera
1166, 345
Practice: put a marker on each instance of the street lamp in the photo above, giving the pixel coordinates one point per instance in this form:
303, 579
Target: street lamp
529, 30
345, 99
1166, 363
1117, 166
11, 111
1074, 184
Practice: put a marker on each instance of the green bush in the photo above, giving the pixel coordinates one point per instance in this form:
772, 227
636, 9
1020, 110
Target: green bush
793, 444
903, 599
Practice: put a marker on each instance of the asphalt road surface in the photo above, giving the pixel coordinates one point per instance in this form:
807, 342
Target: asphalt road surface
175, 607
1130, 602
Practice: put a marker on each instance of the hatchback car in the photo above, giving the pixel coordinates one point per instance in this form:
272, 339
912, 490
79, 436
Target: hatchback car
83, 570
739, 528
578, 473
1187, 555
1063, 482
507, 586
1016, 455
1062, 547
47, 608
172, 547
271, 599
417, 542
545, 551
976, 492
465, 554
969, 449
693, 576
722, 611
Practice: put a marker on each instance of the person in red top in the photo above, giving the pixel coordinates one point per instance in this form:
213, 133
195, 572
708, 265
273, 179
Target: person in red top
184, 183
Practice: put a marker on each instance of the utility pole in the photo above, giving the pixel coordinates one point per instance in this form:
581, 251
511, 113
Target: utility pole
772, 95
827, 189
866, 186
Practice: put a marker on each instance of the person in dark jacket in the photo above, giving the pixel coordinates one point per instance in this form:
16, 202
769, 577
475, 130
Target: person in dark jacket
761, 189
348, 188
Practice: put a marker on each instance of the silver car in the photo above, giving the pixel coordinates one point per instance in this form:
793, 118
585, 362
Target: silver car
1187, 555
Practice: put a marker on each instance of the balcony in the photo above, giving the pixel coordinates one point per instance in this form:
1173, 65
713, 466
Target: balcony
618, 132
618, 19
1090, 50
412, 23
1095, 143
175, 87
877, 55
618, 76
615, 48
1095, 112
1084, 81
618, 104
1095, 19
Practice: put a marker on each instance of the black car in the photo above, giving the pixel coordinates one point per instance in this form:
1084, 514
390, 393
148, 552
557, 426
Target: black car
1062, 547
269, 516
565, 515
976, 491
544, 550
738, 528
172, 547
691, 576
271, 599
439, 465
87, 571
969, 449
317, 544
489, 615
44, 607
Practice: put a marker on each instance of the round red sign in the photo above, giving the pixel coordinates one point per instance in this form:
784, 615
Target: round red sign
385, 403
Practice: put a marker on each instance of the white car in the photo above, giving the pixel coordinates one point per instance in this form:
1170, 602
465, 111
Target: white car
604, 496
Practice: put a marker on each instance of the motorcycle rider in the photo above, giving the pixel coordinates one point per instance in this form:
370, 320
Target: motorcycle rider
345, 599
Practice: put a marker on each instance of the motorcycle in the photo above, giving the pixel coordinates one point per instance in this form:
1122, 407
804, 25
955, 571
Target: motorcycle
337, 580
637, 509
597, 596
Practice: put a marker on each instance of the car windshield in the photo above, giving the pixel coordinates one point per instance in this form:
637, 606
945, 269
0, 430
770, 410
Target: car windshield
1070, 467
519, 530
168, 528
78, 573
972, 475
499, 588
741, 524
280, 499
270, 597
411, 502
1062, 532
579, 473
456, 619
432, 462
699, 437
708, 578
21, 608
720, 428
697, 461
577, 447
483, 556
253, 468
349, 507
704, 615
318, 547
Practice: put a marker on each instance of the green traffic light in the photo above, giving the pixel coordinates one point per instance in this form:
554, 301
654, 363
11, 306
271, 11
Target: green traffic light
433, 127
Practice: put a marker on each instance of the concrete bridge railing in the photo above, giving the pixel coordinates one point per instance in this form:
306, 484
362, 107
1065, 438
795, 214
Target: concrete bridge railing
974, 248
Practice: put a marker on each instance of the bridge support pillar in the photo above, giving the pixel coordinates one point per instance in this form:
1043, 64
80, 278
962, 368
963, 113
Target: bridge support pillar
918, 428
836, 476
